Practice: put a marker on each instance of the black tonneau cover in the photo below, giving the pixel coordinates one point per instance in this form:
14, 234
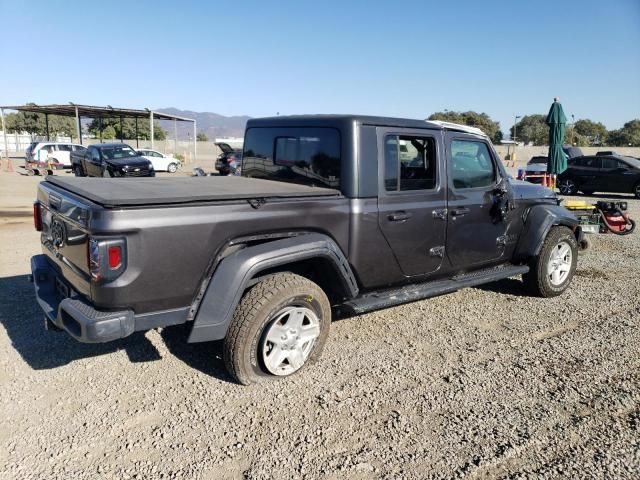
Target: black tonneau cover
124, 192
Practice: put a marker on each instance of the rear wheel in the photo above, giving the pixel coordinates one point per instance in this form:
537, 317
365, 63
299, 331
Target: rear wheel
551, 271
280, 325
568, 187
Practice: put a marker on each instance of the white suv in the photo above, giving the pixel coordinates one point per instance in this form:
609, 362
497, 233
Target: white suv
57, 154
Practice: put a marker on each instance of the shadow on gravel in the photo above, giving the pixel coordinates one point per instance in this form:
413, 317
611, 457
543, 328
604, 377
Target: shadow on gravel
23, 320
205, 357
509, 286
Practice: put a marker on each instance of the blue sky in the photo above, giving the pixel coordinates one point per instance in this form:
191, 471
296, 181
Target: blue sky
405, 59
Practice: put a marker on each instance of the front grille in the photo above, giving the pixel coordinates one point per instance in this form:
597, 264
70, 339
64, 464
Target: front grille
143, 172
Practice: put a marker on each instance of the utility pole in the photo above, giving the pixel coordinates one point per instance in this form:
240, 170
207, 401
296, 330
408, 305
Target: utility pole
515, 120
573, 126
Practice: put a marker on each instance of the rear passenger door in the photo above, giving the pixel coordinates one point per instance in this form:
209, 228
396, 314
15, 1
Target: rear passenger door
412, 198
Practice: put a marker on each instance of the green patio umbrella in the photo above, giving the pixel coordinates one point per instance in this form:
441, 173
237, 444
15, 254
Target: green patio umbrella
556, 121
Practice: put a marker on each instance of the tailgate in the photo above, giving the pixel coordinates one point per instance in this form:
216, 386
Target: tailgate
65, 235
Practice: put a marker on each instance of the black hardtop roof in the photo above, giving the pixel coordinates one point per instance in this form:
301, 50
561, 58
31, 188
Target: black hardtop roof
341, 119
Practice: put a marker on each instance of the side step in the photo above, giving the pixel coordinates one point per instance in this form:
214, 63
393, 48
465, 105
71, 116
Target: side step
420, 291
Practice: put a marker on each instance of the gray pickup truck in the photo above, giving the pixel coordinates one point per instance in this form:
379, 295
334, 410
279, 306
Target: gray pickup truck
333, 215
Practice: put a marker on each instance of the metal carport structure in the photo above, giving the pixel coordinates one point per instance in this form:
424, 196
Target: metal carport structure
90, 111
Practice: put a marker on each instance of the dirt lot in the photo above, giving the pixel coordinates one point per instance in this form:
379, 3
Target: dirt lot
483, 383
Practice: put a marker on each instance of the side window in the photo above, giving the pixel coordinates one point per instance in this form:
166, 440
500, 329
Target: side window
410, 163
78, 148
64, 148
95, 156
471, 164
592, 162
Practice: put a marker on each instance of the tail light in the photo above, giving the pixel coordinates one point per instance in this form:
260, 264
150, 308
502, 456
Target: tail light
37, 216
106, 258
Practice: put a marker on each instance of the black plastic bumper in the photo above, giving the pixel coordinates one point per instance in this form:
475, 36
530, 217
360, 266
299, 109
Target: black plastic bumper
73, 314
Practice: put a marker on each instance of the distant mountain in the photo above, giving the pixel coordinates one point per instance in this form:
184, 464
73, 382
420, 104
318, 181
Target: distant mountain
212, 124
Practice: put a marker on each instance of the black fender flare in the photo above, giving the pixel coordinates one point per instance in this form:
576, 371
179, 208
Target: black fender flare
235, 272
539, 220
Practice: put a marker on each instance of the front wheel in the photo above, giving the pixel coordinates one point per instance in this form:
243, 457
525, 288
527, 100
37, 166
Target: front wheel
636, 190
280, 325
77, 170
551, 271
568, 187
172, 168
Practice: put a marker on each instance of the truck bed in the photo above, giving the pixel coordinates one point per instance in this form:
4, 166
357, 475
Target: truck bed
134, 192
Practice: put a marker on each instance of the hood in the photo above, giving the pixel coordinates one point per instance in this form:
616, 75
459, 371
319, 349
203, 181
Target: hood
131, 161
525, 190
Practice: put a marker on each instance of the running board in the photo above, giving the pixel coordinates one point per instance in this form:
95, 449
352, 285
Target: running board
420, 291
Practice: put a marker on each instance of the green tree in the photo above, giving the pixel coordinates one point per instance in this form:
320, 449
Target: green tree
35, 124
628, 135
109, 133
202, 137
532, 129
473, 119
128, 128
595, 133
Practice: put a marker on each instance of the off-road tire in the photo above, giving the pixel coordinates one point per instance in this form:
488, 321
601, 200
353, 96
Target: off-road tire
537, 280
256, 310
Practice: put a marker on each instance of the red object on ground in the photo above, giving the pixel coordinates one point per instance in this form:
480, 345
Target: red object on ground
617, 223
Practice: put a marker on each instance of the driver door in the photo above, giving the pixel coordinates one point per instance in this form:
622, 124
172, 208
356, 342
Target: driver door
475, 236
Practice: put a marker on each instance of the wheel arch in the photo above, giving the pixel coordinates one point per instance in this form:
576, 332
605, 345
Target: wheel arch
538, 222
312, 255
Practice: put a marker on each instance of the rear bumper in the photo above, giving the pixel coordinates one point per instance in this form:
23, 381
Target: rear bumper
75, 315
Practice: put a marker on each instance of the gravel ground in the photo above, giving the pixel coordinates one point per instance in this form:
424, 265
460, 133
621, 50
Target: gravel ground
482, 383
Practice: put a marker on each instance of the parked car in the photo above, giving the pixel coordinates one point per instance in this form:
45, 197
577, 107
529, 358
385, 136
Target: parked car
56, 154
229, 161
160, 161
600, 173
111, 160
572, 152
537, 165
329, 215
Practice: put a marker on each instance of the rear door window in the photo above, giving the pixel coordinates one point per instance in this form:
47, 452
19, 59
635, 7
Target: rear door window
410, 163
303, 155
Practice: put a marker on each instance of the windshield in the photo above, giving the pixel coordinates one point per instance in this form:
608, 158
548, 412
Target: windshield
538, 160
634, 162
113, 153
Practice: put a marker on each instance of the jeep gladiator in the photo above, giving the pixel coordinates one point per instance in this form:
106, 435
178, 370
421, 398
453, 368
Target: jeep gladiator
333, 214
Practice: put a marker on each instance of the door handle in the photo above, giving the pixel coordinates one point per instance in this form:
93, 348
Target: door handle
440, 213
460, 211
399, 216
